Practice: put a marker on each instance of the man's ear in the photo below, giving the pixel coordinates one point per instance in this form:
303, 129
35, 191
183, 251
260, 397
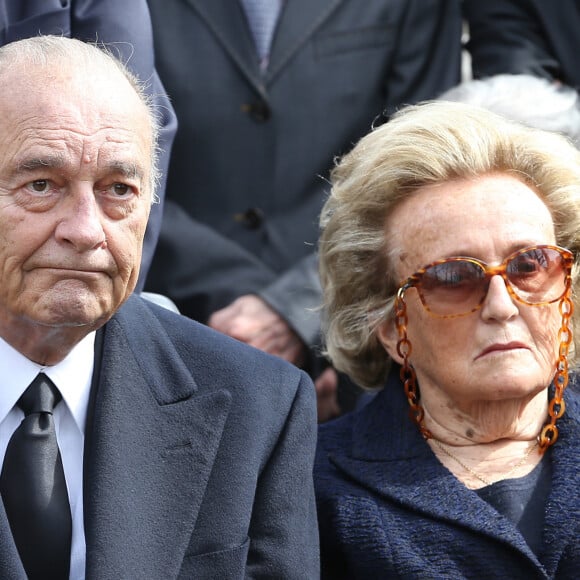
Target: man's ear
389, 337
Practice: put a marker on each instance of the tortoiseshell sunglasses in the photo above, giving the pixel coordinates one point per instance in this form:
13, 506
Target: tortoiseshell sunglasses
452, 287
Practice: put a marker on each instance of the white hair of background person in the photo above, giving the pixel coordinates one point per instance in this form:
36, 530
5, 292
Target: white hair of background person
531, 100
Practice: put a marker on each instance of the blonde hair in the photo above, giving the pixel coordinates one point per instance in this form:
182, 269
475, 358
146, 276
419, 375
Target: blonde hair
434, 142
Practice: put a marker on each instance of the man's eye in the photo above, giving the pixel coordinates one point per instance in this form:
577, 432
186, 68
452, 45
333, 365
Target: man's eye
39, 186
121, 189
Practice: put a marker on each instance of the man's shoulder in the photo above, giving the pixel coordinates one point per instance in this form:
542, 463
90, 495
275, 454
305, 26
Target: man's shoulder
163, 334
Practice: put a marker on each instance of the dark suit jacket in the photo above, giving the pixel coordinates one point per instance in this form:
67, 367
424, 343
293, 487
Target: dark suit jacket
125, 27
389, 509
252, 152
198, 458
525, 36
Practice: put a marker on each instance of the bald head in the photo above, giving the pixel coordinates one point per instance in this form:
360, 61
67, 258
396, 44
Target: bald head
64, 63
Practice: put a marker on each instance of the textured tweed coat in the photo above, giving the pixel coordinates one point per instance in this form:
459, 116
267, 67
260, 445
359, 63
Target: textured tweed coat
389, 509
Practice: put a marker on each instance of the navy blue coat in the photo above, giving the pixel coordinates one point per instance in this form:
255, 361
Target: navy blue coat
198, 458
125, 27
389, 509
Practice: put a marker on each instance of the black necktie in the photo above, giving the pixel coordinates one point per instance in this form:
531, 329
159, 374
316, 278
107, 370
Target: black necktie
33, 487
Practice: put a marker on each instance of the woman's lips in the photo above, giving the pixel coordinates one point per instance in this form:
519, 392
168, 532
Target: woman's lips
502, 347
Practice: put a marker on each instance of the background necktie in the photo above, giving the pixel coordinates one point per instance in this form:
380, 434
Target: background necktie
33, 486
262, 16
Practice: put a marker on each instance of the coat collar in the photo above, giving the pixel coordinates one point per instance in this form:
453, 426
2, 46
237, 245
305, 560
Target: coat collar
152, 443
388, 456
298, 21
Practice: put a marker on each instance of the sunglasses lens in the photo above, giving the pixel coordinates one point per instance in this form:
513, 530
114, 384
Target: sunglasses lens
538, 275
458, 286
453, 288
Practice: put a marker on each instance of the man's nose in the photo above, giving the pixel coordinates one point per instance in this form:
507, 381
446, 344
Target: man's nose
81, 224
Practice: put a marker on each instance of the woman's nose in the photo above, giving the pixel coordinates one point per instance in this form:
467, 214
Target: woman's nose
499, 303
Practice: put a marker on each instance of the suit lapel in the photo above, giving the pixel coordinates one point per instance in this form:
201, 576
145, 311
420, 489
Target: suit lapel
431, 489
150, 452
298, 22
227, 22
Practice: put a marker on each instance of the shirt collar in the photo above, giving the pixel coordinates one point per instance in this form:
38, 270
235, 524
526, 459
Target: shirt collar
72, 376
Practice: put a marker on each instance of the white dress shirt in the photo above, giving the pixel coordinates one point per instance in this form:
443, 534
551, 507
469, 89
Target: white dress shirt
73, 377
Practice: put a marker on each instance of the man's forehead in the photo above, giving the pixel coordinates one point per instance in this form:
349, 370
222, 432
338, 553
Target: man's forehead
65, 78
71, 117
84, 102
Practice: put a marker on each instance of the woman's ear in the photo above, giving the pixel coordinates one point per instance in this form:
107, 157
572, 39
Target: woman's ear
389, 337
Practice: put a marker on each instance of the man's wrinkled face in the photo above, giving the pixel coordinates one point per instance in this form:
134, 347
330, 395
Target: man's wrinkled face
75, 153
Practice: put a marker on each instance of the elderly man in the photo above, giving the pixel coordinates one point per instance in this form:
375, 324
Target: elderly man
125, 27
174, 452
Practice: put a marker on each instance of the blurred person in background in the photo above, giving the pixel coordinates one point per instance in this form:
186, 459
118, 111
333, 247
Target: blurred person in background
530, 100
266, 95
525, 37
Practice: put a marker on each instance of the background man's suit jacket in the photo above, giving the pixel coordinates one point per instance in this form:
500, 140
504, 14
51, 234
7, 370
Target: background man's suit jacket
198, 457
526, 36
125, 27
252, 152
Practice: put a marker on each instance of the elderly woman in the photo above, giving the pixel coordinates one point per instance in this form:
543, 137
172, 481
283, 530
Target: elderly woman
449, 262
